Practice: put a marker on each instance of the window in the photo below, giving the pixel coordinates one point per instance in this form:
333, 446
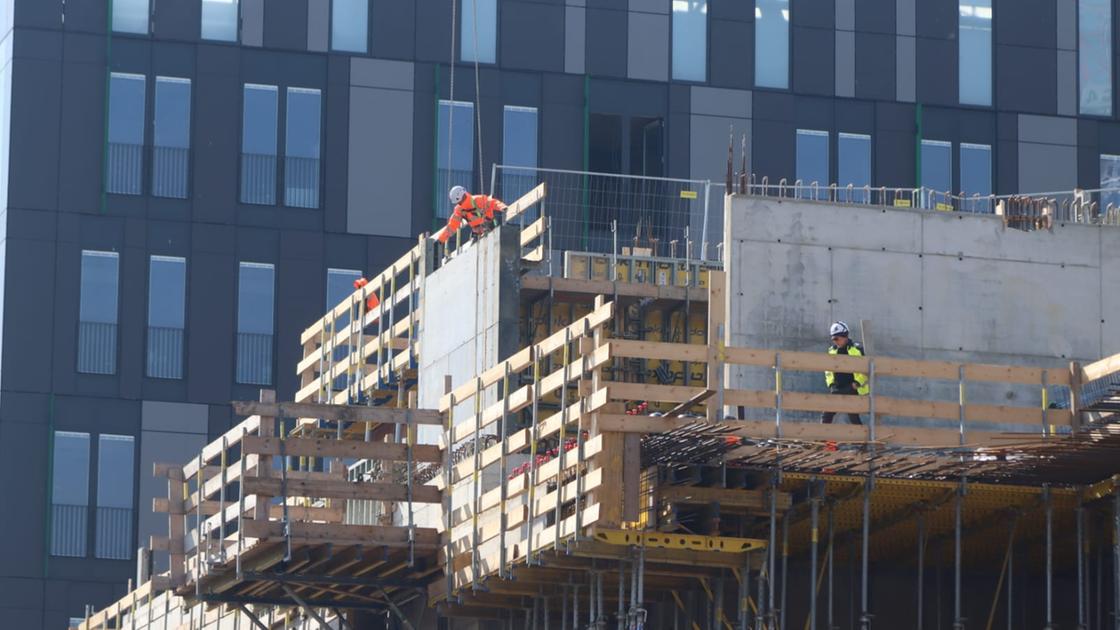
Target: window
340, 285
1110, 180
854, 167
130, 16
349, 23
771, 43
454, 165
975, 52
255, 294
301, 155
478, 43
114, 497
172, 141
97, 313
219, 20
258, 145
519, 149
690, 40
126, 134
69, 494
1094, 42
812, 164
936, 174
167, 290
976, 177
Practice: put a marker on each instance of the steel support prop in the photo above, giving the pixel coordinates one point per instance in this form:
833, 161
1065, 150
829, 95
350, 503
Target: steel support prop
785, 569
958, 508
831, 556
773, 547
921, 568
1048, 502
814, 518
865, 612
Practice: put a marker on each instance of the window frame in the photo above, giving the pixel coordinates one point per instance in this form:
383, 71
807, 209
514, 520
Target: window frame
152, 146
440, 196
132, 507
147, 20
788, 84
963, 63
822, 187
858, 193
144, 143
277, 153
241, 266
89, 482
117, 311
1108, 56
462, 58
282, 178
984, 200
147, 330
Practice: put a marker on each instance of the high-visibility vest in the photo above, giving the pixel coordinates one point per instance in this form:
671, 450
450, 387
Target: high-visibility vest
476, 210
853, 349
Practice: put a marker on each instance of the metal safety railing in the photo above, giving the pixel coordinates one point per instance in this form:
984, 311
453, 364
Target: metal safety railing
597, 212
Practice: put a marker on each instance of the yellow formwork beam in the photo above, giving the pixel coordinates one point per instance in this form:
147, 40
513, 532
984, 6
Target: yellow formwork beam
690, 542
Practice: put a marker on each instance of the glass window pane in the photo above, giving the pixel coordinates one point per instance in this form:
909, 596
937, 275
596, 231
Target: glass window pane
457, 167
690, 40
519, 148
854, 166
172, 137
126, 133
258, 144
97, 313
771, 43
975, 52
114, 496
301, 159
130, 16
219, 20
69, 493
937, 173
255, 314
1110, 180
976, 177
1094, 41
167, 294
485, 14
349, 21
812, 163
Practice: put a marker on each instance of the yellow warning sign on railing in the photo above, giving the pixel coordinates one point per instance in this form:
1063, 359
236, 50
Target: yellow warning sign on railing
688, 194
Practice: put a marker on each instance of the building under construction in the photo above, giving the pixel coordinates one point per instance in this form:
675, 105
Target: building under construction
525, 435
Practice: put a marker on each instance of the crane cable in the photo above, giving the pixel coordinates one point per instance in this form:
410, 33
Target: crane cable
477, 92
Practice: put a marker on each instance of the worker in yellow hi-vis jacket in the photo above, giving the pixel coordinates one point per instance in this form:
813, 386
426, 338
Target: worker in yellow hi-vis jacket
844, 383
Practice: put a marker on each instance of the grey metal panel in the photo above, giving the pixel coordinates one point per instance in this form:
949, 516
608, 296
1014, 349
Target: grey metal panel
876, 16
606, 42
1026, 23
82, 136
285, 24
382, 73
216, 144
708, 135
720, 102
23, 457
845, 15
1066, 25
731, 39
575, 33
380, 182
812, 13
845, 63
936, 65
171, 416
1047, 129
211, 306
814, 50
648, 47
538, 48
433, 25
650, 6
252, 22
177, 20
1027, 78
318, 24
26, 362
875, 66
1067, 82
162, 447
33, 176
904, 17
1046, 167
393, 29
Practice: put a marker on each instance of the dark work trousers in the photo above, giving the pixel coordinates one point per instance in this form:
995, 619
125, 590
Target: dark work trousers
853, 418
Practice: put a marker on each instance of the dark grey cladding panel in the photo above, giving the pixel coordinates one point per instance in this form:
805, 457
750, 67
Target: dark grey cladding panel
875, 66
540, 47
606, 42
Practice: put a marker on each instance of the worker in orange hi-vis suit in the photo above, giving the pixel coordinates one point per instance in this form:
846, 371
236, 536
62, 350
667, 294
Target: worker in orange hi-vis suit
479, 211
371, 301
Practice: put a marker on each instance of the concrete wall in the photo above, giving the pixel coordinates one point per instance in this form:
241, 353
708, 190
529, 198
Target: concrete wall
935, 285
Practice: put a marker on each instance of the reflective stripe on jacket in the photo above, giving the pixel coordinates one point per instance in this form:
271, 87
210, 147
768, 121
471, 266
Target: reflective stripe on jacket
476, 210
842, 381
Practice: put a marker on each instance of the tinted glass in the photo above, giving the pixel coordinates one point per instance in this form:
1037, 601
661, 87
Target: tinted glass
255, 298
114, 471
690, 39
302, 124
340, 284
771, 43
126, 108
456, 167
976, 176
259, 120
130, 16
812, 163
173, 112
854, 165
1094, 39
1110, 179
975, 54
937, 172
167, 292
219, 20
98, 301
484, 13
519, 148
70, 481
349, 21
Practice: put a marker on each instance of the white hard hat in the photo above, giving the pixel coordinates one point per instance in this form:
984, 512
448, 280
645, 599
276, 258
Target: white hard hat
838, 328
456, 194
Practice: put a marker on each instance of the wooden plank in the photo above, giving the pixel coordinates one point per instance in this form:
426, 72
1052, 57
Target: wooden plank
652, 393
315, 447
345, 413
658, 350
388, 339
525, 202
341, 490
532, 231
232, 437
717, 316
1100, 369
606, 287
341, 534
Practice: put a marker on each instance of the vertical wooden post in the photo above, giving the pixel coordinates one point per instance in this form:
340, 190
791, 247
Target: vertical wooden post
1075, 395
717, 324
264, 462
609, 496
175, 526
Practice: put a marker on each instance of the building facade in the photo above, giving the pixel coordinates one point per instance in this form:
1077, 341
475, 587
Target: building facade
188, 183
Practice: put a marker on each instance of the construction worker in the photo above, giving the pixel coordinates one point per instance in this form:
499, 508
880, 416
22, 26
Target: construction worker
479, 211
844, 383
371, 301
